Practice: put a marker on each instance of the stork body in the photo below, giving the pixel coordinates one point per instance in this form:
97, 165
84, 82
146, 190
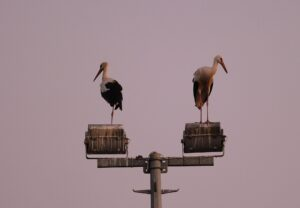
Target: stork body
203, 83
110, 90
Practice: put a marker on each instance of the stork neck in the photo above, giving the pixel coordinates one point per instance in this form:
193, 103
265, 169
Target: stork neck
214, 67
105, 74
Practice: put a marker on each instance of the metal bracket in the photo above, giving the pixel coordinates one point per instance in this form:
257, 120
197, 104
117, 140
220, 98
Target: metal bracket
164, 166
146, 168
163, 191
168, 191
147, 191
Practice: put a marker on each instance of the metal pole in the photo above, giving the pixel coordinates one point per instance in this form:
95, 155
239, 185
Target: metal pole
155, 179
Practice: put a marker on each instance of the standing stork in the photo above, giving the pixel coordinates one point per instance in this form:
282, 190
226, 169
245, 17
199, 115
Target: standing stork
203, 83
110, 89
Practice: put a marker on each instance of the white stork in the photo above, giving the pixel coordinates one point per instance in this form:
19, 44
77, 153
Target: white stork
203, 83
110, 90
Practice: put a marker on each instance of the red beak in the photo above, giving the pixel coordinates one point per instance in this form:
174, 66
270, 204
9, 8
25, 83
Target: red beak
99, 72
223, 65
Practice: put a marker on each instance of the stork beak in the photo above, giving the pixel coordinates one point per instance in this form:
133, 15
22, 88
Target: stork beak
99, 72
223, 65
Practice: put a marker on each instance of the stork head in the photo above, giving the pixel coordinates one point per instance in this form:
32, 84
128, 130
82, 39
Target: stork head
219, 60
102, 67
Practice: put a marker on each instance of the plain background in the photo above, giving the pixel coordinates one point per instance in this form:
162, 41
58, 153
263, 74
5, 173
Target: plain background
50, 52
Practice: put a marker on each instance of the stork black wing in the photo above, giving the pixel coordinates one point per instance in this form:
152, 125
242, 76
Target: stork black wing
114, 86
211, 87
113, 95
195, 89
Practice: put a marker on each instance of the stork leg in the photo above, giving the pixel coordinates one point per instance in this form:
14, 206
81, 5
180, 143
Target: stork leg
112, 115
207, 121
200, 114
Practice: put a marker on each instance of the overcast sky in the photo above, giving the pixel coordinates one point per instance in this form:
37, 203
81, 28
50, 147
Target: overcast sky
50, 52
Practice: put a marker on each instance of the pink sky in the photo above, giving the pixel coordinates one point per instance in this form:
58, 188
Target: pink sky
50, 52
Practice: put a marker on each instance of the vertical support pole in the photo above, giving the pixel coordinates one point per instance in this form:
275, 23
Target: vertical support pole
155, 179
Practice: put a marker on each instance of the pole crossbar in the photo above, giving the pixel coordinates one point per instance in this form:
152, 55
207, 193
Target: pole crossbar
141, 162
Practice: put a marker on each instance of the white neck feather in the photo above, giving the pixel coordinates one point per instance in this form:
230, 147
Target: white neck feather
214, 67
105, 73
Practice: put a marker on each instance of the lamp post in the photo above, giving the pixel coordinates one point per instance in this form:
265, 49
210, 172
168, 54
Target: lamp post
111, 139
